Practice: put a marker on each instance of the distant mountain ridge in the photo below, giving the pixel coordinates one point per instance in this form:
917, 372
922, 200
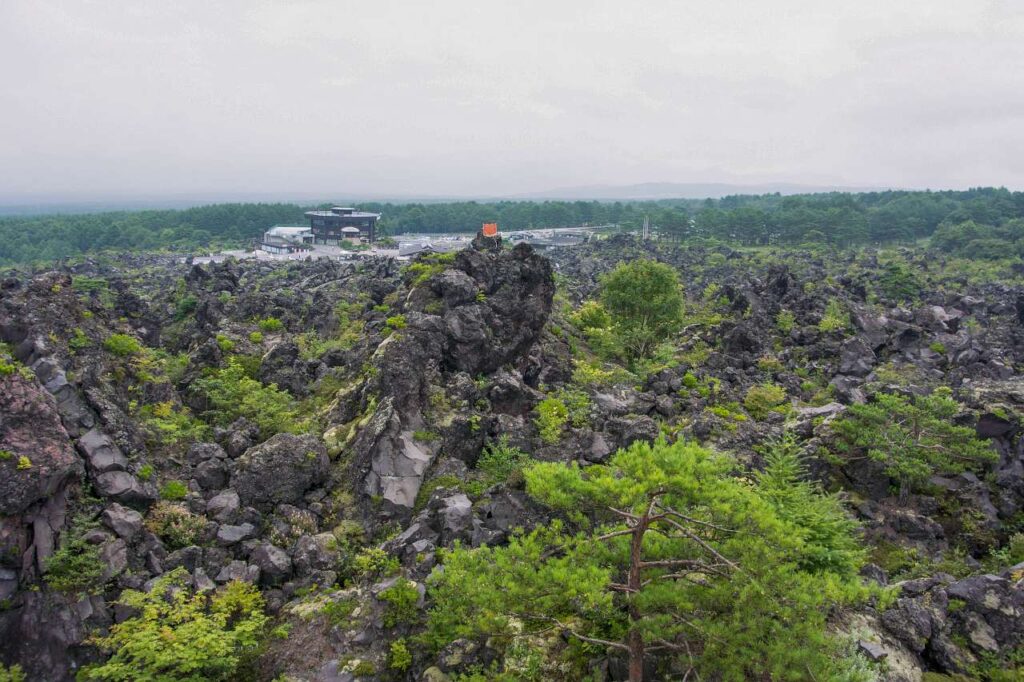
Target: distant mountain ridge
44, 205
685, 190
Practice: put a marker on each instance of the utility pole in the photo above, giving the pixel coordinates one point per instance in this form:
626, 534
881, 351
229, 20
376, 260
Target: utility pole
647, 228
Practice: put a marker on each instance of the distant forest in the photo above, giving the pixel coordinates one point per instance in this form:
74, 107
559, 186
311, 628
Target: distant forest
982, 222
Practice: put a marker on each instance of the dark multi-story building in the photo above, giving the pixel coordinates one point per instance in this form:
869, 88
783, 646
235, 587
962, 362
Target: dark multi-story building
341, 222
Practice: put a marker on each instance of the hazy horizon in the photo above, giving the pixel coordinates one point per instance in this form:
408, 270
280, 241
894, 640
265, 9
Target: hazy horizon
466, 100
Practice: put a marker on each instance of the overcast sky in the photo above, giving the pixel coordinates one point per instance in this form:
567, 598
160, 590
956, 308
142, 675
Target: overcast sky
160, 97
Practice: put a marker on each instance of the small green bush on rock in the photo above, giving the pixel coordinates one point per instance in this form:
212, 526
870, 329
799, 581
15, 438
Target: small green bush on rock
401, 600
122, 345
182, 635
175, 525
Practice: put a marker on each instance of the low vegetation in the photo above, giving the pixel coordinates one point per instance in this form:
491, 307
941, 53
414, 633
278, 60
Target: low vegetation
182, 635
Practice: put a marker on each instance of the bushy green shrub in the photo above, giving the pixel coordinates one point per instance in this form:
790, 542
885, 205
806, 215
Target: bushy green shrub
836, 317
175, 525
231, 393
182, 635
593, 374
898, 281
717, 572
913, 438
256, 337
225, 344
76, 565
645, 302
169, 424
763, 398
828, 531
173, 490
185, 306
122, 345
500, 461
396, 322
552, 415
785, 321
373, 562
591, 315
401, 600
270, 324
426, 266
12, 674
425, 436
78, 340
399, 657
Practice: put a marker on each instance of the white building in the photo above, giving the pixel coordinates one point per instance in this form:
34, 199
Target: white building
286, 239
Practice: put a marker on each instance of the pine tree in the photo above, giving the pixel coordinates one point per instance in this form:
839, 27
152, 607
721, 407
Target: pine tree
663, 551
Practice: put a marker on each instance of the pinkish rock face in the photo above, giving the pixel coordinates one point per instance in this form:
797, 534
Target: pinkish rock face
30, 428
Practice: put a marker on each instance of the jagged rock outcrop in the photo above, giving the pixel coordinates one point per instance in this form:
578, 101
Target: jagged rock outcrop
37, 466
493, 306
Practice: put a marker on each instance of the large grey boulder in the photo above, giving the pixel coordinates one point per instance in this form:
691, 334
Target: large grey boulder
223, 506
101, 452
457, 513
239, 570
123, 521
123, 487
280, 470
201, 452
315, 553
232, 535
211, 474
274, 563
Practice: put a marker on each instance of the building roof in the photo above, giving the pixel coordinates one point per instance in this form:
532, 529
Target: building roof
288, 230
412, 248
332, 214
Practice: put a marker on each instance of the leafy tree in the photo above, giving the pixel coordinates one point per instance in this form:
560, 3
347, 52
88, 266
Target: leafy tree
231, 393
663, 551
913, 438
645, 302
182, 635
897, 281
827, 531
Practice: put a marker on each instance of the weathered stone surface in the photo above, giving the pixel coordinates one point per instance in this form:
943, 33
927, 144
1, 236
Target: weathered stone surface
31, 428
123, 487
201, 452
223, 506
315, 552
114, 556
123, 521
280, 470
101, 452
239, 570
230, 535
211, 474
42, 634
274, 563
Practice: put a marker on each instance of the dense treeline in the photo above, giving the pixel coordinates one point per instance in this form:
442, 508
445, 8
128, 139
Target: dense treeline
838, 219
39, 238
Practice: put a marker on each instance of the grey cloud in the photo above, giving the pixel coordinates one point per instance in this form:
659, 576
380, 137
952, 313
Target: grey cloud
461, 98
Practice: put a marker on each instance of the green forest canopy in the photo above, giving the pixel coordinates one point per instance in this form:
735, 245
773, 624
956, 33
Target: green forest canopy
836, 218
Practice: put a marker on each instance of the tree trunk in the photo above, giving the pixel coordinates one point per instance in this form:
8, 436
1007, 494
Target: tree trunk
634, 640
